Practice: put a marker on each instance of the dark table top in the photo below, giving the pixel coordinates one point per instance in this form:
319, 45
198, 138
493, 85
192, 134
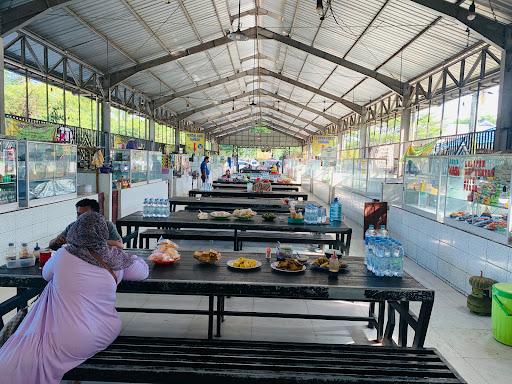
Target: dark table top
190, 277
186, 219
233, 202
241, 193
275, 187
221, 181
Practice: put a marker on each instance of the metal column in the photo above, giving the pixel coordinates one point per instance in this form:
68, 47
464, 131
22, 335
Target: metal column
504, 121
2, 85
405, 129
151, 134
105, 128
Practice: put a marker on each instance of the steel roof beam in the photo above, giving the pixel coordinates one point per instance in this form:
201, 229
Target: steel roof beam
17, 17
275, 128
251, 124
258, 11
123, 74
257, 115
492, 31
261, 105
258, 56
263, 92
159, 102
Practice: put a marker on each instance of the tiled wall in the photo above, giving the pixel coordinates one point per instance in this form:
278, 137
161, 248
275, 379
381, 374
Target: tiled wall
38, 224
450, 253
352, 205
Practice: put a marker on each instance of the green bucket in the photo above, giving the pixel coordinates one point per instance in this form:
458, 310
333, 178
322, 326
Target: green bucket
502, 312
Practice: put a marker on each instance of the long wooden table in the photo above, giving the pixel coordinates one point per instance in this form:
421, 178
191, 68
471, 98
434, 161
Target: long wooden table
228, 182
233, 203
186, 219
188, 277
239, 193
275, 187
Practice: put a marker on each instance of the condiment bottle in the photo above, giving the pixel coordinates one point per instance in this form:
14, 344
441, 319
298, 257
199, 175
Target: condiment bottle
268, 253
11, 252
37, 251
334, 265
24, 251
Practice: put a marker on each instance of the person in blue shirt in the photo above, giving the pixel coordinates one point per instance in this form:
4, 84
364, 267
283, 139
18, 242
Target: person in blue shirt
205, 172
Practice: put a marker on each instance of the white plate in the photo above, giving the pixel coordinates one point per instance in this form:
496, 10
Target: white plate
274, 266
230, 264
220, 214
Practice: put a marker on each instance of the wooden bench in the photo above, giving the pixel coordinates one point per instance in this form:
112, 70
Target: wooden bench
174, 234
285, 237
161, 360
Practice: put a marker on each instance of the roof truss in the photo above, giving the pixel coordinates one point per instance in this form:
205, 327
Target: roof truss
249, 125
257, 115
259, 72
255, 32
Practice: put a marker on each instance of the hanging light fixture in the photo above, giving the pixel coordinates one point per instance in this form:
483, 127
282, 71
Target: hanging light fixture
319, 8
472, 11
238, 35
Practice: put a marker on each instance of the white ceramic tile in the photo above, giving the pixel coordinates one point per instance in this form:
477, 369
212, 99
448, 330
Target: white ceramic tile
498, 254
475, 265
477, 246
496, 273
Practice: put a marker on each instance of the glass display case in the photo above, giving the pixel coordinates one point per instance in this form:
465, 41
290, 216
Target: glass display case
8, 176
155, 166
47, 172
362, 176
478, 195
425, 185
130, 166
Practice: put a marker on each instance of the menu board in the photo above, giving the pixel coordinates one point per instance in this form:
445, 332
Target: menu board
194, 142
324, 145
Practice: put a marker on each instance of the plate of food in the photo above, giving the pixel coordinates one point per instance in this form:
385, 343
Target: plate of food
322, 264
288, 265
244, 263
269, 216
166, 253
210, 256
244, 214
220, 215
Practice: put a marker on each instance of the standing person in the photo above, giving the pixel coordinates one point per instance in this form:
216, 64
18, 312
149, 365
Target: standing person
75, 316
229, 162
205, 172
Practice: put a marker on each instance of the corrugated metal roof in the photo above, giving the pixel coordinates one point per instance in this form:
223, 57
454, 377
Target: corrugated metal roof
141, 30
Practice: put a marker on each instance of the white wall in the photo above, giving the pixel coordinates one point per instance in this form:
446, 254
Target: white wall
451, 254
131, 199
38, 224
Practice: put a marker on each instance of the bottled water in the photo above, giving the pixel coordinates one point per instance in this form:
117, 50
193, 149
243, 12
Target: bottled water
151, 208
145, 208
368, 235
335, 211
319, 215
167, 208
384, 255
158, 208
310, 214
383, 231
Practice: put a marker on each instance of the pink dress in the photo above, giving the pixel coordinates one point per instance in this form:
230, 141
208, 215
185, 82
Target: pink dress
73, 319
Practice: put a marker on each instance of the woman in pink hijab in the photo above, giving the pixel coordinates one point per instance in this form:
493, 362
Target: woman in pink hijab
75, 316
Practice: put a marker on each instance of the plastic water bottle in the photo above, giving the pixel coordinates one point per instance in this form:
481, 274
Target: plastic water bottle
397, 259
383, 232
145, 208
386, 257
319, 215
167, 208
368, 235
151, 208
335, 211
161, 208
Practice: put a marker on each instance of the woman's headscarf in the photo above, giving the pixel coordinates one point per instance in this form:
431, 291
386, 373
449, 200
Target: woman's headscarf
90, 233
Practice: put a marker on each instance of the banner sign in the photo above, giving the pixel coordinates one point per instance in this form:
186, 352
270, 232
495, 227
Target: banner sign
323, 143
194, 142
422, 150
31, 130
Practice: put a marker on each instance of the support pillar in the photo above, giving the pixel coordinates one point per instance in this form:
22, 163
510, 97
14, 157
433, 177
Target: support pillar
503, 138
177, 136
151, 134
105, 128
363, 134
2, 85
405, 130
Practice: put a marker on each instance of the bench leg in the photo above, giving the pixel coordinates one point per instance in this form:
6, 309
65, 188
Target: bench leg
380, 320
210, 316
402, 325
423, 320
371, 313
235, 241
390, 326
146, 243
220, 304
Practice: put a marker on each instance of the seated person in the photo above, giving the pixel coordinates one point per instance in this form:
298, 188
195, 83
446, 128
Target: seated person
86, 206
75, 316
227, 175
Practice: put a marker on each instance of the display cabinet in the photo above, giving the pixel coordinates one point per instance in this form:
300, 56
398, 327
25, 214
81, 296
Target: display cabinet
130, 166
478, 195
425, 185
8, 176
47, 172
154, 166
361, 176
